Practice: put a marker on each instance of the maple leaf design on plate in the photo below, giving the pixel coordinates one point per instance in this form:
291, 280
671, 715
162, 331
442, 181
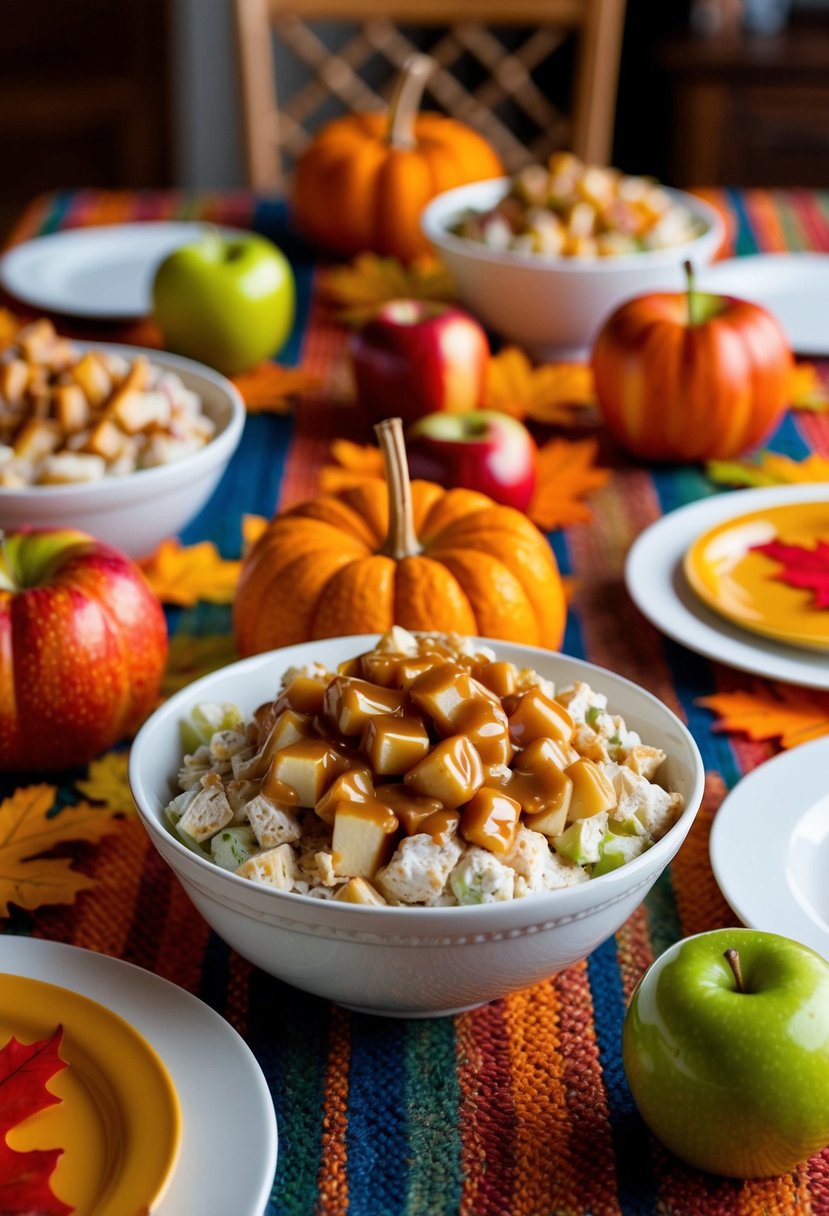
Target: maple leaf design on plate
806, 569
24, 1176
791, 715
28, 831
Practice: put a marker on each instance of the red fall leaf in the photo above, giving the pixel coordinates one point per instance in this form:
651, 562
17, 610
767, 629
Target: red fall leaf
24, 1177
807, 569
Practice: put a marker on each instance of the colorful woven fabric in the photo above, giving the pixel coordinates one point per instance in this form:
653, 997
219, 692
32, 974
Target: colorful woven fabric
519, 1108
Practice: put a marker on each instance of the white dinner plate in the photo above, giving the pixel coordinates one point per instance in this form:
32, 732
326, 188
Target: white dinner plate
794, 287
769, 846
104, 271
658, 586
229, 1138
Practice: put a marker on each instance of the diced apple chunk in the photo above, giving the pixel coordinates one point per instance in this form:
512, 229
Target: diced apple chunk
490, 819
308, 767
499, 677
487, 727
444, 693
592, 791
541, 785
354, 785
537, 716
452, 772
363, 838
274, 868
358, 891
350, 704
392, 744
410, 808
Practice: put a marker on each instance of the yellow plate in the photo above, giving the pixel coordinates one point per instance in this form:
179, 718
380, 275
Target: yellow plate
119, 1122
742, 586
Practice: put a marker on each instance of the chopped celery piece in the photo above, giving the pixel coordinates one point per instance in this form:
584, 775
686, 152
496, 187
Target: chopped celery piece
467, 888
593, 713
580, 842
231, 847
204, 720
615, 850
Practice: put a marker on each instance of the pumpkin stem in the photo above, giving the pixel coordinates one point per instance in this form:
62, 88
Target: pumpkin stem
406, 99
401, 540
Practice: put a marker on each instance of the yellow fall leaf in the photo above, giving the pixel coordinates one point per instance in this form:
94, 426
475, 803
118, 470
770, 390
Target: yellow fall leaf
351, 464
806, 389
252, 528
184, 574
28, 831
106, 782
769, 469
790, 715
553, 394
358, 289
272, 388
191, 657
567, 471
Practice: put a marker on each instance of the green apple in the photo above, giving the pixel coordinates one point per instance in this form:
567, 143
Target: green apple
726, 1049
226, 300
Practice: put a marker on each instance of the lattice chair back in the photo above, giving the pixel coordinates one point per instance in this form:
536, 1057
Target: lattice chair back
529, 75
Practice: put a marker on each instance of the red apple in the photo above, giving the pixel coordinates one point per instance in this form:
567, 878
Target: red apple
415, 357
83, 644
686, 376
481, 450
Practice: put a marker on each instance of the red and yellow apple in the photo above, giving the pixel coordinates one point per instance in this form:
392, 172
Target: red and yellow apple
691, 376
482, 450
83, 644
415, 357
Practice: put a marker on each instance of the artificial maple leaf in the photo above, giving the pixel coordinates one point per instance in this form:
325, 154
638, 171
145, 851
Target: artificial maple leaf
554, 393
769, 469
792, 715
189, 658
806, 390
252, 528
184, 574
351, 465
806, 569
24, 1176
360, 288
28, 879
567, 471
106, 782
271, 388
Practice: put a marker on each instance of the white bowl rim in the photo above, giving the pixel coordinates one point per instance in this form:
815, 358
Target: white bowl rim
547, 904
220, 447
442, 206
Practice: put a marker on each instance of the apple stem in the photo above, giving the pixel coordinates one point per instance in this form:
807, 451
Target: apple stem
732, 957
406, 99
401, 540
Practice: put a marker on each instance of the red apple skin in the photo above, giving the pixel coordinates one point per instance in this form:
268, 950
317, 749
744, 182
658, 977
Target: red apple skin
480, 450
83, 645
416, 357
674, 391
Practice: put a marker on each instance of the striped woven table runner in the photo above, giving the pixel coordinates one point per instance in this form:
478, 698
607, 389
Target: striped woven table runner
519, 1108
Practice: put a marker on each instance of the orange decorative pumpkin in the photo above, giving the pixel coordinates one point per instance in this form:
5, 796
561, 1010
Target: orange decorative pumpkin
365, 179
691, 376
411, 554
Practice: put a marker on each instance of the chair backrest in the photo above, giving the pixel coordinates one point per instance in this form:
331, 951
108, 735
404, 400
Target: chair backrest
497, 62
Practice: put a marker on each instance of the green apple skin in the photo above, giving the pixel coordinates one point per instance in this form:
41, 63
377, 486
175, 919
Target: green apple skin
734, 1083
228, 302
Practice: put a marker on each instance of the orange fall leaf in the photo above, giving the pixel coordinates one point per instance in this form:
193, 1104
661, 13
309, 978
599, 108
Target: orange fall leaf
272, 388
790, 715
184, 574
553, 394
567, 471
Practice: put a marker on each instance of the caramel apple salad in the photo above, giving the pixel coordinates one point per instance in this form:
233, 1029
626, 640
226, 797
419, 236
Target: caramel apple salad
424, 772
69, 416
570, 209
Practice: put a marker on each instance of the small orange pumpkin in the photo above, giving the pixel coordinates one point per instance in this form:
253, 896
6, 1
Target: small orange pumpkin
365, 179
410, 554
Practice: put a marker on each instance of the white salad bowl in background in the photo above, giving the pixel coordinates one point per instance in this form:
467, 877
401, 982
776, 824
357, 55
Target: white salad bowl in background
553, 306
136, 511
404, 961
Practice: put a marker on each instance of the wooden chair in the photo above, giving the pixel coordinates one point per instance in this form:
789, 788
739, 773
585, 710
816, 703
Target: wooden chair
501, 43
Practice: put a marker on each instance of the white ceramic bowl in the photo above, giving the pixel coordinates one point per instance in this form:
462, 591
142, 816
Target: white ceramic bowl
137, 511
553, 306
394, 960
